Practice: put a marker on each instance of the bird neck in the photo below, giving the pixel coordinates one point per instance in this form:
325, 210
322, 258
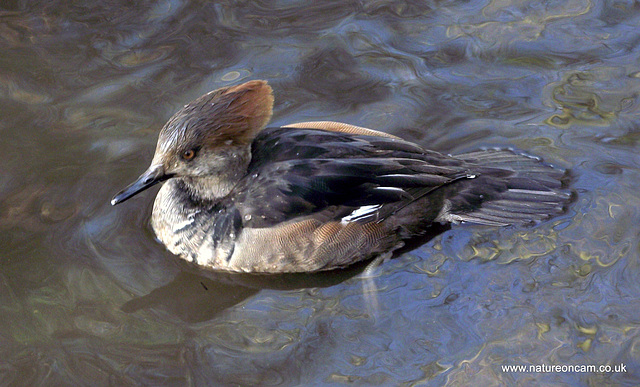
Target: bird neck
208, 188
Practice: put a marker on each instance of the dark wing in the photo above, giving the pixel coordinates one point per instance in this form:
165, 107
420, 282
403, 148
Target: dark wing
300, 172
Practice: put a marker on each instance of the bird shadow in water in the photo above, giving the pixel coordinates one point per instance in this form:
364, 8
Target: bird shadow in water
197, 294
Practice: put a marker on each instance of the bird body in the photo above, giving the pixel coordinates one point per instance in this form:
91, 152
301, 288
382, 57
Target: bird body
319, 195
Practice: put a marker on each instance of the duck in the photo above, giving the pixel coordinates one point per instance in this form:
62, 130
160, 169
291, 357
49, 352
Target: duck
241, 196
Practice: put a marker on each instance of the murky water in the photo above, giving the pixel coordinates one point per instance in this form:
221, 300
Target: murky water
87, 297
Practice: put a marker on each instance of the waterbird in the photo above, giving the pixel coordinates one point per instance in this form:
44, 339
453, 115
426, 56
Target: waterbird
240, 196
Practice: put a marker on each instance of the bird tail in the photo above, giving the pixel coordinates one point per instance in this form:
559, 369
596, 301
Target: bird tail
507, 188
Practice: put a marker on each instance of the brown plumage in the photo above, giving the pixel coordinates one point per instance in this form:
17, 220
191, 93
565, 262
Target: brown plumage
319, 195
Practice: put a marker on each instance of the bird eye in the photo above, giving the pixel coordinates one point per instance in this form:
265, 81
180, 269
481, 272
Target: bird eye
188, 154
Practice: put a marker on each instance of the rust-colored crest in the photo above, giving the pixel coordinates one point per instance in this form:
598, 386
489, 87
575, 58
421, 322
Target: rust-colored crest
249, 109
229, 115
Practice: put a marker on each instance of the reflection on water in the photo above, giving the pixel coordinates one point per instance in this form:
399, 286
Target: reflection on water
88, 297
